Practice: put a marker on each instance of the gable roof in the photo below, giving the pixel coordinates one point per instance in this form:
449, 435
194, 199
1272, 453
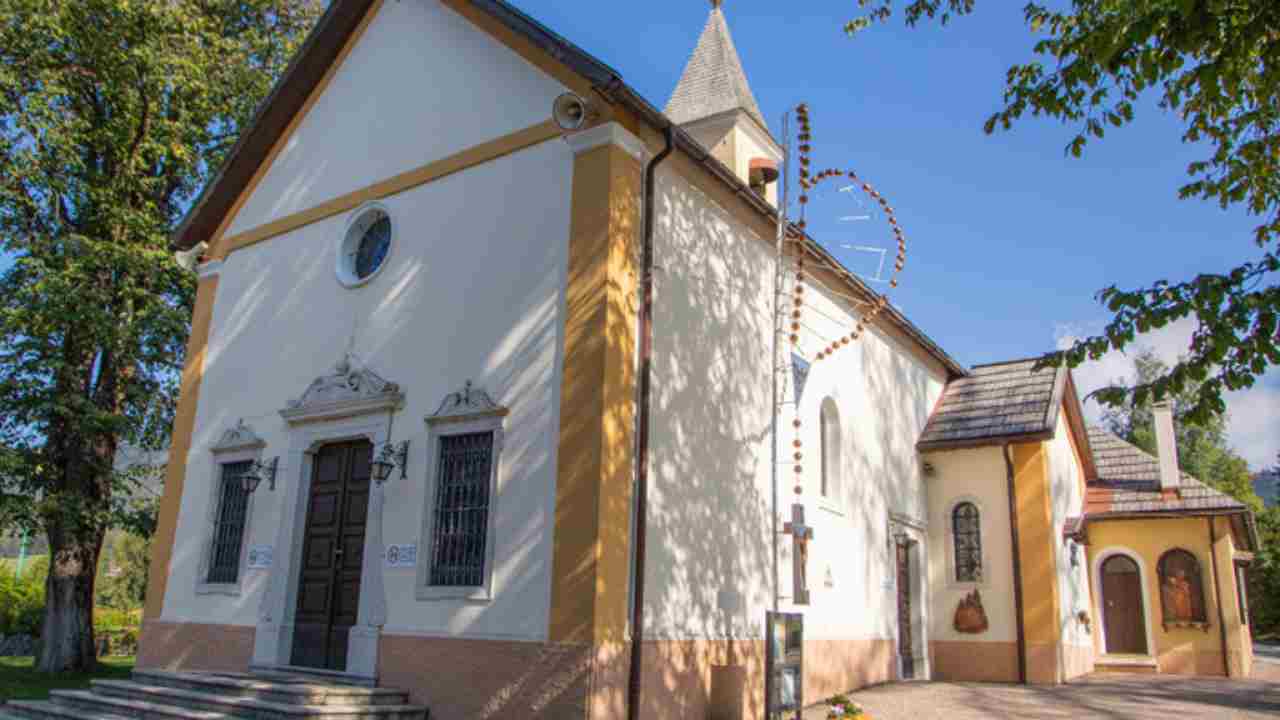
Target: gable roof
1128, 486
1129, 482
1004, 402
323, 48
713, 81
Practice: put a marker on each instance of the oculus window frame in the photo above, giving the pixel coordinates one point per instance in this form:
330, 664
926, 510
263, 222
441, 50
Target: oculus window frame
351, 251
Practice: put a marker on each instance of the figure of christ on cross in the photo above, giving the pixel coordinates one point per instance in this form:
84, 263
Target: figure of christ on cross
800, 534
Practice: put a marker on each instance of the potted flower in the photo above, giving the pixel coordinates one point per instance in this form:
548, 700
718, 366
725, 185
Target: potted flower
841, 706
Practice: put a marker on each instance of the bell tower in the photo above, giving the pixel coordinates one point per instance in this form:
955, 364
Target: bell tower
713, 102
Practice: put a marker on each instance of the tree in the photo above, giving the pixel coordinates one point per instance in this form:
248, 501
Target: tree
1264, 574
1203, 451
114, 114
1216, 64
122, 573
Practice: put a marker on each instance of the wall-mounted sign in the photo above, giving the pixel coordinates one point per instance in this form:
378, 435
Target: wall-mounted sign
402, 556
784, 651
260, 557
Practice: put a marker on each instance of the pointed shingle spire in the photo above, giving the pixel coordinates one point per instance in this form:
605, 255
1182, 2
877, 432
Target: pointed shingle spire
713, 81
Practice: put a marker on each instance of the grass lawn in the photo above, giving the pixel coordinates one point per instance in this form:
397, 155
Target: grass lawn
19, 681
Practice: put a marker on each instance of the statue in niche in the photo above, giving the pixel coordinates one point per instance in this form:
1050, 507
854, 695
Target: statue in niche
1177, 597
971, 618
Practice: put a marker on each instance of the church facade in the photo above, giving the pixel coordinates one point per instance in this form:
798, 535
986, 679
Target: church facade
476, 405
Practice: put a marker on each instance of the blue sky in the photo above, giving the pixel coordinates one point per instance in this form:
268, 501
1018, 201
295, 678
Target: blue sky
1010, 238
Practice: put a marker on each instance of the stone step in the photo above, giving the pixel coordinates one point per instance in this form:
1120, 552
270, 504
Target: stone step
284, 691
84, 703
152, 701
45, 710
294, 673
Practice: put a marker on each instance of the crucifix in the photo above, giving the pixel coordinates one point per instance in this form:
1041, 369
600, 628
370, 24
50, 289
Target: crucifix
800, 534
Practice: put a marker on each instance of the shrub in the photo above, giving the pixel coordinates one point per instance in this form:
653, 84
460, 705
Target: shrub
22, 599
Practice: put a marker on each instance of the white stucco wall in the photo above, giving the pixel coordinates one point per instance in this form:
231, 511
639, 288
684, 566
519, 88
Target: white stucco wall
977, 475
472, 290
1067, 496
422, 84
709, 573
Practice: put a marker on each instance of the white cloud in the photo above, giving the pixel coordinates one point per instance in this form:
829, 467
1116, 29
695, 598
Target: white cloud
1253, 424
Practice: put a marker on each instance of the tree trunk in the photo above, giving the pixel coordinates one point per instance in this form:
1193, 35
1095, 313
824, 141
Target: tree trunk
66, 642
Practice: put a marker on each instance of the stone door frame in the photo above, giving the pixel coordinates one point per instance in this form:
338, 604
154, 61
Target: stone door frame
351, 403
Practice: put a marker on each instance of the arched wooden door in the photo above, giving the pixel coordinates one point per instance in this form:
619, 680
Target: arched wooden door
1125, 622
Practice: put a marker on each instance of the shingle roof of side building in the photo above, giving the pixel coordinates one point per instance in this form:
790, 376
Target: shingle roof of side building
1129, 482
1128, 486
1001, 402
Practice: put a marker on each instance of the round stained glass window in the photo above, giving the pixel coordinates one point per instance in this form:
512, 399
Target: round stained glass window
373, 248
365, 247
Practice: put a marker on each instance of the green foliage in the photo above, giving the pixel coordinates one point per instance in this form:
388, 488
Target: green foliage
1216, 65
122, 573
1203, 451
113, 115
1264, 576
22, 598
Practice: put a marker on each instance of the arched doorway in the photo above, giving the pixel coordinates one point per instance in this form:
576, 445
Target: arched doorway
1123, 617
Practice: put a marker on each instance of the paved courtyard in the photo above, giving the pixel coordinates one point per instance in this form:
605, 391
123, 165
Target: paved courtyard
1115, 697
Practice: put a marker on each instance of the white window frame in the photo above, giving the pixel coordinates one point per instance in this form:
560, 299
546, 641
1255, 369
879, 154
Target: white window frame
948, 521
240, 444
347, 274
481, 416
832, 500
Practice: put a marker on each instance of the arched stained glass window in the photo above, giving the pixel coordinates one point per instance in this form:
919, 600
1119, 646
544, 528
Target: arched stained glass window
966, 530
1181, 590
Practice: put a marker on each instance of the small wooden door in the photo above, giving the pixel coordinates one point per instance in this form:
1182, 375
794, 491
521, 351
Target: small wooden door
332, 555
1124, 620
904, 611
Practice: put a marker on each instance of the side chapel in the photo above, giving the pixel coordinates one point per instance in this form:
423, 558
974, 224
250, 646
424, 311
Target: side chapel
455, 372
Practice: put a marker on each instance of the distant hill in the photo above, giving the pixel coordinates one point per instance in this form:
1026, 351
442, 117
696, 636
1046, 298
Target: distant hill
151, 477
1267, 486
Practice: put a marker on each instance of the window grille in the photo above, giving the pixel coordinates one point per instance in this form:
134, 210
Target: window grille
461, 519
966, 529
228, 531
1181, 590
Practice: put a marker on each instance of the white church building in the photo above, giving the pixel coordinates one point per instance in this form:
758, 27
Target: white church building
459, 367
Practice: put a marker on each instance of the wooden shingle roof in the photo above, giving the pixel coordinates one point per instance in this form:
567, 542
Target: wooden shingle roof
713, 81
997, 403
1129, 482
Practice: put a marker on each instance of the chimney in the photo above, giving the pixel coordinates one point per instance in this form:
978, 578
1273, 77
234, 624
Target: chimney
1167, 444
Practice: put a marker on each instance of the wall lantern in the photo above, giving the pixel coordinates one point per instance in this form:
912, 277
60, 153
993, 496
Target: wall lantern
391, 457
257, 472
1073, 549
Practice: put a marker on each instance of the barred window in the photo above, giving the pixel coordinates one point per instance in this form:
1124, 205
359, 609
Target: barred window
966, 529
461, 517
228, 530
1181, 590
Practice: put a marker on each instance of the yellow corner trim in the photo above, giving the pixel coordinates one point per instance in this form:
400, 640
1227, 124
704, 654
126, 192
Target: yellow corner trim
184, 422
430, 172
